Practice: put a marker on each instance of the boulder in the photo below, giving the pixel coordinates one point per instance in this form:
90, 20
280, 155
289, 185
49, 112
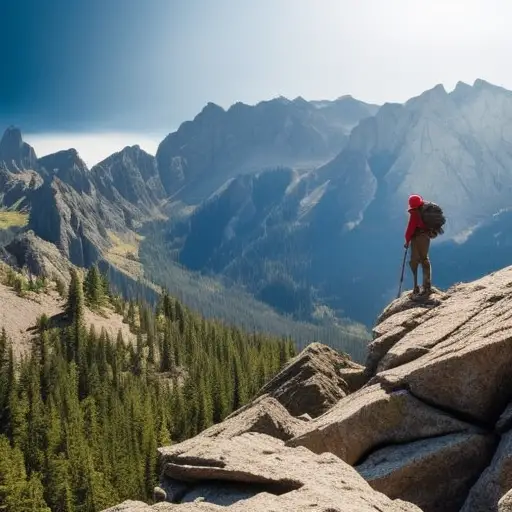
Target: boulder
373, 417
315, 380
259, 473
494, 482
417, 471
505, 503
264, 415
468, 337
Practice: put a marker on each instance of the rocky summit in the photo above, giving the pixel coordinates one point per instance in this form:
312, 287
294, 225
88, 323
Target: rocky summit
425, 425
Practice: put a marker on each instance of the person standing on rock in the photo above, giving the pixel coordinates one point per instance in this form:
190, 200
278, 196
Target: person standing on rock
418, 237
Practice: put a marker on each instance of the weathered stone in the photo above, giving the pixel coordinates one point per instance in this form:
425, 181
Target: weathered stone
313, 381
494, 482
373, 417
41, 258
469, 339
264, 415
412, 471
505, 503
408, 307
130, 506
257, 472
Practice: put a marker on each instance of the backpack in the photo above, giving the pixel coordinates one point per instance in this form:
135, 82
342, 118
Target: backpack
433, 217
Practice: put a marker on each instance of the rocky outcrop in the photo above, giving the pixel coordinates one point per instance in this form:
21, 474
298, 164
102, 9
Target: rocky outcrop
372, 418
412, 471
16, 155
41, 258
468, 337
264, 415
494, 482
258, 473
72, 221
315, 380
437, 402
16, 188
505, 503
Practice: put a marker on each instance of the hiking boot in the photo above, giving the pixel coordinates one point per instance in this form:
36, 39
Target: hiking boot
427, 290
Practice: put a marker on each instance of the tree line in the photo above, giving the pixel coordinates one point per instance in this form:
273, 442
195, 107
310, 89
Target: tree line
82, 415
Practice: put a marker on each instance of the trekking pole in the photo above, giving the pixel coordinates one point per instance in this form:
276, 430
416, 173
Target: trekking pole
402, 273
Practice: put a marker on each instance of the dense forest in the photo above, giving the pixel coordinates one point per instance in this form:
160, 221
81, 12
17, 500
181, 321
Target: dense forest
217, 297
82, 415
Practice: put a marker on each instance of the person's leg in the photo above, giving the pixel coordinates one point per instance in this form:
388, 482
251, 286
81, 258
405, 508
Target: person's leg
414, 262
423, 246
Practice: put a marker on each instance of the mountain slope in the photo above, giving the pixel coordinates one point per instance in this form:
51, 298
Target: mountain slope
218, 144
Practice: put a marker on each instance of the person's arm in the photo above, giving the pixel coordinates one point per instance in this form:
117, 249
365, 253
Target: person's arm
411, 228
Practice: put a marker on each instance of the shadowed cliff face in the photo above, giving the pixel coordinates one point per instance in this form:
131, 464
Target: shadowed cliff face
16, 155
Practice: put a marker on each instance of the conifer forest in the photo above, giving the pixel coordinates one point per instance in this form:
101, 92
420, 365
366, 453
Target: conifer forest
82, 415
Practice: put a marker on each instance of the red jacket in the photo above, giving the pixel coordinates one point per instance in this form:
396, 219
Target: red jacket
415, 222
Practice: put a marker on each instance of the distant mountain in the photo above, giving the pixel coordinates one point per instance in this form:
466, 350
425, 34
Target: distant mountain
455, 148
338, 230
218, 144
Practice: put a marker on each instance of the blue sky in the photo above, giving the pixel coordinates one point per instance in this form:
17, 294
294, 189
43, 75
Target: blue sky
141, 67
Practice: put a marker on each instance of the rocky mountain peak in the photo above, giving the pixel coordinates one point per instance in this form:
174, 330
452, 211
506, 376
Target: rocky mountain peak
209, 110
11, 138
65, 159
429, 98
15, 154
69, 168
483, 85
462, 92
130, 174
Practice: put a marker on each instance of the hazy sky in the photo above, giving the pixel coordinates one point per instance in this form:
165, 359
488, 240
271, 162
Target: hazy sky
144, 66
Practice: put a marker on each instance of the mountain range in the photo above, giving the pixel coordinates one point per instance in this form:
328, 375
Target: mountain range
299, 204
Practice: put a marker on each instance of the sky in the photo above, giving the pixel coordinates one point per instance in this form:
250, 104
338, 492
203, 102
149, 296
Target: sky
96, 73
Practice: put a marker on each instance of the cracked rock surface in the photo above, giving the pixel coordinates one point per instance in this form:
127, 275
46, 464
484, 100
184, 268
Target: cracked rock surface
259, 473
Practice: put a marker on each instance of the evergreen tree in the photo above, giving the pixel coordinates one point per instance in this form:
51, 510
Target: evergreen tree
94, 287
75, 302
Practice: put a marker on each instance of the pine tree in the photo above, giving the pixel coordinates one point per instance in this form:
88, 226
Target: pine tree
75, 302
94, 287
167, 359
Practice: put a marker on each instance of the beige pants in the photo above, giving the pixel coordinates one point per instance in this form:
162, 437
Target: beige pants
420, 244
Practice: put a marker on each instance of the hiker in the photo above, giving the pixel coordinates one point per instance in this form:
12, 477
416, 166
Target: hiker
418, 236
